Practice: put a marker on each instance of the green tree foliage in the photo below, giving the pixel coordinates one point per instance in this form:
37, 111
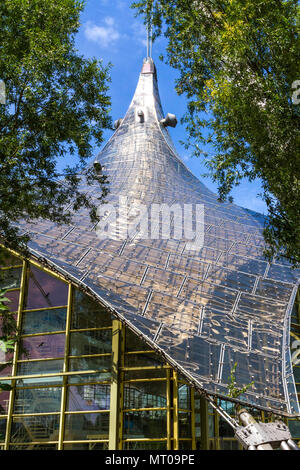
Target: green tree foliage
239, 61
56, 107
233, 391
8, 335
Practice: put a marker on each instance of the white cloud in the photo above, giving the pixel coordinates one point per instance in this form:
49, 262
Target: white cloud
120, 3
109, 21
105, 35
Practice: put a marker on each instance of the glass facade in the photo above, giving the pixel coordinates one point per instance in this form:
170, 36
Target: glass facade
80, 380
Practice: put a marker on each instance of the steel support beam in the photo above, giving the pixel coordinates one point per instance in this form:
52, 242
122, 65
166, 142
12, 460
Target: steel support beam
114, 390
16, 353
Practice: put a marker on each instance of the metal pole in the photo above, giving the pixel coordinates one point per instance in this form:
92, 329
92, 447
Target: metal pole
293, 444
284, 446
114, 390
193, 419
151, 29
175, 411
122, 386
169, 421
65, 370
23, 288
147, 40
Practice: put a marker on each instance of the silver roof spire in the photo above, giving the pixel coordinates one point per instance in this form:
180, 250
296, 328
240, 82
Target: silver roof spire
149, 38
203, 310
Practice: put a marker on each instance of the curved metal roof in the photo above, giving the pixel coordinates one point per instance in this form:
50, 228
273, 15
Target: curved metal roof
204, 309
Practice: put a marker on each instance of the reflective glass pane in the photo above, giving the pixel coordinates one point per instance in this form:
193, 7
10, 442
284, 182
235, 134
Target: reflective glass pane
35, 428
8, 326
148, 424
145, 395
40, 381
90, 363
37, 400
198, 425
90, 342
44, 321
224, 429
184, 397
40, 367
45, 290
185, 445
229, 444
10, 278
13, 303
294, 427
6, 259
87, 378
43, 347
143, 360
87, 313
4, 401
134, 343
229, 407
33, 447
145, 374
185, 427
296, 373
88, 446
2, 429
87, 426
6, 368
211, 426
88, 397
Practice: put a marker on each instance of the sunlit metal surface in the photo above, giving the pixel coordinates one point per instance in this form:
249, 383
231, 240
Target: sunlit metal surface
205, 310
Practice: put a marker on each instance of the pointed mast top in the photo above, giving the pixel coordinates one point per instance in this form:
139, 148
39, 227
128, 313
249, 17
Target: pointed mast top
149, 37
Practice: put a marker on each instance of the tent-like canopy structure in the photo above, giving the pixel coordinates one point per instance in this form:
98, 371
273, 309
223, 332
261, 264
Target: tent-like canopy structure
204, 308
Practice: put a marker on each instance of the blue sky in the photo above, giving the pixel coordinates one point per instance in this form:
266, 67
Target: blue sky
111, 32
